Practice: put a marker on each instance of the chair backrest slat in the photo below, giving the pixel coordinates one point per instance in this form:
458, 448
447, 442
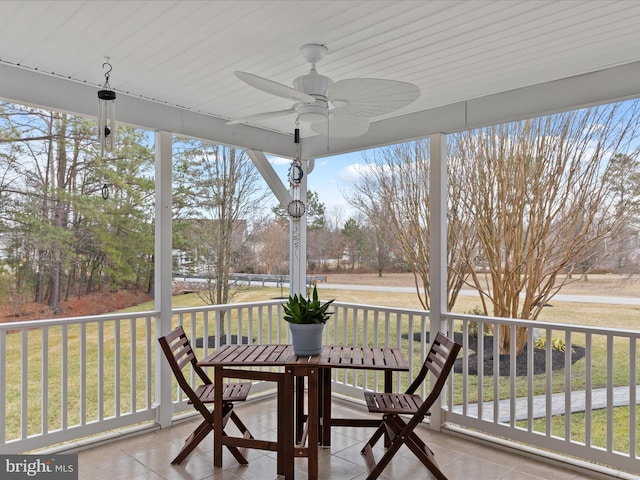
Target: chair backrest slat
437, 362
446, 351
179, 354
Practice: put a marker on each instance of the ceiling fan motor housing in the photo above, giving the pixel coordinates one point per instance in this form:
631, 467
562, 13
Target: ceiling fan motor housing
317, 86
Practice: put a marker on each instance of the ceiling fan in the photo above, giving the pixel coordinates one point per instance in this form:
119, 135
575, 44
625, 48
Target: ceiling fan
340, 109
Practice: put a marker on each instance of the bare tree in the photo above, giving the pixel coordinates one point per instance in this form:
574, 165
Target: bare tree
222, 195
393, 193
536, 194
622, 250
273, 246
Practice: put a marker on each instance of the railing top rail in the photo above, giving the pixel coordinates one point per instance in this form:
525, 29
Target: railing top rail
52, 322
276, 302
363, 306
574, 327
227, 306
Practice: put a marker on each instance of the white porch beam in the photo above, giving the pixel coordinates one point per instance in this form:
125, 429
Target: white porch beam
57, 93
608, 85
604, 86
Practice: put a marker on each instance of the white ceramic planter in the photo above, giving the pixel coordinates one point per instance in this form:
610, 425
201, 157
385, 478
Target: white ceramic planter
306, 338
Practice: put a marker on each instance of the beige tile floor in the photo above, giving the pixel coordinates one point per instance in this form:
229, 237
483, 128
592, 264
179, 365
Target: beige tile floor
148, 456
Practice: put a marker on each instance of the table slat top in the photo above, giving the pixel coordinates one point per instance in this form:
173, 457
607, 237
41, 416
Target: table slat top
248, 356
375, 358
335, 356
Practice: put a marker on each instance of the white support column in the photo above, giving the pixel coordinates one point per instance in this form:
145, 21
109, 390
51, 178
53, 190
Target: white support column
437, 246
163, 273
298, 243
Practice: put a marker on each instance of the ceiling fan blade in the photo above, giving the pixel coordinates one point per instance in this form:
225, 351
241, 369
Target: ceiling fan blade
372, 97
341, 124
262, 116
274, 88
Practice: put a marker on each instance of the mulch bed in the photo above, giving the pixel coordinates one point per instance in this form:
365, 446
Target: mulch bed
504, 362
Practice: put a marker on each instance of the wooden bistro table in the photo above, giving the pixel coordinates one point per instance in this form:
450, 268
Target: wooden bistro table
232, 361
386, 359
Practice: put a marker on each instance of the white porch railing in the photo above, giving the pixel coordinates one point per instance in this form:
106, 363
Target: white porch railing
66, 379
584, 404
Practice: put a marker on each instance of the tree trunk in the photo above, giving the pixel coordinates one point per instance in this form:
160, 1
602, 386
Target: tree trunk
55, 289
504, 340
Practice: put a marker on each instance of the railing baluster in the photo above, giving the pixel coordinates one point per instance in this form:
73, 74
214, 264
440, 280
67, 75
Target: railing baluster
100, 371
3, 386
496, 375
513, 377
567, 386
150, 347
83, 374
24, 389
530, 378
588, 390
227, 318
633, 398
465, 367
133, 355
610, 385
116, 369
480, 370
548, 372
64, 378
376, 342
44, 383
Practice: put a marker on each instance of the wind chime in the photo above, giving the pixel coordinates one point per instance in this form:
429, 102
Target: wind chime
106, 119
296, 206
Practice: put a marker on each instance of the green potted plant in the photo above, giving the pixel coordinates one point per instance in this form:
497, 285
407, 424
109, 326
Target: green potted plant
306, 317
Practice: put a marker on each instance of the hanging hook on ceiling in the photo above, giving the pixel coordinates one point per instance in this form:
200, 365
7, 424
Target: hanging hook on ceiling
107, 74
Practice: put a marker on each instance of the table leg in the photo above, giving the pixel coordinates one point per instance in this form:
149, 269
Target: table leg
299, 408
286, 464
320, 405
217, 417
388, 381
312, 424
325, 379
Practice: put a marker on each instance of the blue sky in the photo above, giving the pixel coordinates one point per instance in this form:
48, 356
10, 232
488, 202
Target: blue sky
330, 178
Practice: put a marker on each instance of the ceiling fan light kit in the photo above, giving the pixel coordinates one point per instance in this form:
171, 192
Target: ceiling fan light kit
340, 109
318, 112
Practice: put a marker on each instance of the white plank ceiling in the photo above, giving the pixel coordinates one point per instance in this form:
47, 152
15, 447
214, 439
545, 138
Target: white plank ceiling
476, 62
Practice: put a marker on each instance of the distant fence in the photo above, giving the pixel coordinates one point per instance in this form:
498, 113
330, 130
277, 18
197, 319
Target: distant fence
250, 278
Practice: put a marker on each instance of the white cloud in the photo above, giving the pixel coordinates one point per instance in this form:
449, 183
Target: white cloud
275, 160
354, 171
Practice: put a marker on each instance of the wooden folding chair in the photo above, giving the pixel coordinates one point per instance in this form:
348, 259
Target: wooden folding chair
440, 359
177, 349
